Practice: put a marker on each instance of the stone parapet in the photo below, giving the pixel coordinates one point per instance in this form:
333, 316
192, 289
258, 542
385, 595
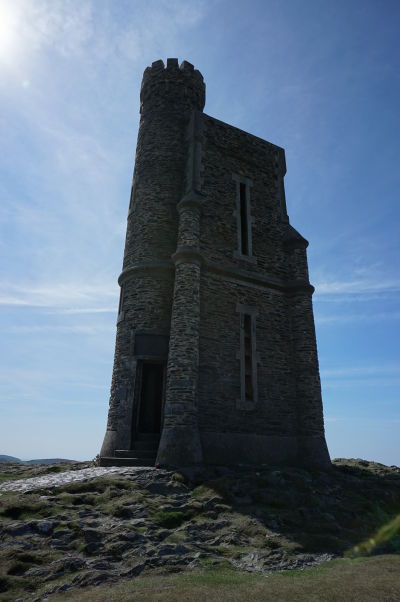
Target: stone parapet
170, 85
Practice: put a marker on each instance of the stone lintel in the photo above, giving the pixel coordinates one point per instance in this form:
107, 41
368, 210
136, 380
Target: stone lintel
242, 179
242, 308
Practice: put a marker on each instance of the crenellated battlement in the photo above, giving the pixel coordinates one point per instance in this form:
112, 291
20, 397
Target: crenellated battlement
176, 85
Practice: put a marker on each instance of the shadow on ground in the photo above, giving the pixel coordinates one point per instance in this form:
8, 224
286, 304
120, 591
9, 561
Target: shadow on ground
352, 509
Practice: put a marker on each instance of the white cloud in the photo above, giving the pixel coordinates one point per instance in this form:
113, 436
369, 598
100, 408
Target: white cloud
364, 383
69, 217
155, 27
364, 420
365, 371
74, 329
358, 378
351, 318
329, 419
356, 287
70, 297
64, 26
88, 310
91, 30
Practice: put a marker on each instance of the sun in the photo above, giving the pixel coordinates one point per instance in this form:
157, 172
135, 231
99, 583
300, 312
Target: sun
8, 30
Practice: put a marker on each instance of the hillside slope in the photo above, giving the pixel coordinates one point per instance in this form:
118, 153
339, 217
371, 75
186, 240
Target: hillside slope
146, 521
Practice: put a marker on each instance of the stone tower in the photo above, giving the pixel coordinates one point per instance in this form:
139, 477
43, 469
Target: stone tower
216, 358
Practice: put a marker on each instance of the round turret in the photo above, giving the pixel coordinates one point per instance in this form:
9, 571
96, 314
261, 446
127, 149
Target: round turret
174, 86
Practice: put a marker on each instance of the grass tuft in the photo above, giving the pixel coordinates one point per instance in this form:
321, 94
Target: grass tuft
171, 520
27, 511
388, 536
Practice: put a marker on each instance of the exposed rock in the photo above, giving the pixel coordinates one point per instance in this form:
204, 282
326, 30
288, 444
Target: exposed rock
126, 521
21, 528
45, 527
168, 550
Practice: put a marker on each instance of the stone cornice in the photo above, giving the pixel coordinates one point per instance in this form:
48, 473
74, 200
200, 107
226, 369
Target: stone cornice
293, 239
163, 265
186, 254
193, 255
266, 280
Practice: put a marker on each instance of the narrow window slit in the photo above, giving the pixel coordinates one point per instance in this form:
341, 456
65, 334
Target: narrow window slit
248, 357
243, 221
121, 299
248, 364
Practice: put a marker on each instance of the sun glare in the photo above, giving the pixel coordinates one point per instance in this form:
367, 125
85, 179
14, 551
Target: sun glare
8, 31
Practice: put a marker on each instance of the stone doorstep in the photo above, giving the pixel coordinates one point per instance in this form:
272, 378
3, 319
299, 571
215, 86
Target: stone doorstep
136, 453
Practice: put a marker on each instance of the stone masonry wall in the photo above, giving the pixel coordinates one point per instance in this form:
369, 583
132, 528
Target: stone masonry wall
227, 151
146, 308
184, 276
219, 374
288, 410
168, 96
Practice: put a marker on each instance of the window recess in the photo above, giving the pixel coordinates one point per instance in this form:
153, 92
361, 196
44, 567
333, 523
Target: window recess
244, 219
244, 226
247, 356
121, 314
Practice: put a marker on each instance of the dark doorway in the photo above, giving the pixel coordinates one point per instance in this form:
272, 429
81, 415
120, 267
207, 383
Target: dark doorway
151, 397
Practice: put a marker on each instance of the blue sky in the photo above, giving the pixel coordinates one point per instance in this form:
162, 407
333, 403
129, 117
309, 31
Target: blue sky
320, 78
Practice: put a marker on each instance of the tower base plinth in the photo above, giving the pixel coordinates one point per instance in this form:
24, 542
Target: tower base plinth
180, 446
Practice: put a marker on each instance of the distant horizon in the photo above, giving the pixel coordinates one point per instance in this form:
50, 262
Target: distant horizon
41, 458
319, 79
68, 458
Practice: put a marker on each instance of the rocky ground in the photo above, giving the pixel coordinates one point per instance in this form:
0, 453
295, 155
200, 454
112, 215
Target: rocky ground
71, 526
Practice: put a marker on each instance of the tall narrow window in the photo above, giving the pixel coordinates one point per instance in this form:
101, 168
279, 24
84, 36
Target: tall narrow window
121, 299
244, 219
121, 304
248, 360
132, 200
247, 356
244, 235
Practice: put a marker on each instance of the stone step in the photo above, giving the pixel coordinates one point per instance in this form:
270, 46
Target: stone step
136, 453
112, 461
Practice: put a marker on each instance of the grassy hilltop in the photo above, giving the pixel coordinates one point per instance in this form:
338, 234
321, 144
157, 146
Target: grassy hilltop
265, 533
